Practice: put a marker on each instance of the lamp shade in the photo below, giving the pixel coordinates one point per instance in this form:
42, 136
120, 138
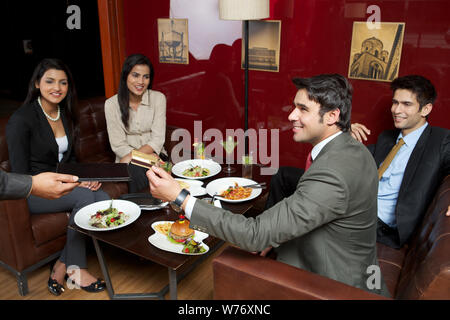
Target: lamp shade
244, 9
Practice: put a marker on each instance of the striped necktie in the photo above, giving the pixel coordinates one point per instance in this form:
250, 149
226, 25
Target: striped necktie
389, 158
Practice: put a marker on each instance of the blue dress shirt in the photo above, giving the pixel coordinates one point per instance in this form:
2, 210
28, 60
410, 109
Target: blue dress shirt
390, 182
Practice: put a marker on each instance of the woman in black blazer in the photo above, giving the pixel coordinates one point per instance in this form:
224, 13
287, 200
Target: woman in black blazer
39, 136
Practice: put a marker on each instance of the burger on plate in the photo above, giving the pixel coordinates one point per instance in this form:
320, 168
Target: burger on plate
179, 231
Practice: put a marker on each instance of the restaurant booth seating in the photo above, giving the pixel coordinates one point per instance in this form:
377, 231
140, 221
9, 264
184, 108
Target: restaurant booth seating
28, 242
419, 270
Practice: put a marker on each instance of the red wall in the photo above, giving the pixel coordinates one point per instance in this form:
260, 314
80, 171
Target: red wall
315, 38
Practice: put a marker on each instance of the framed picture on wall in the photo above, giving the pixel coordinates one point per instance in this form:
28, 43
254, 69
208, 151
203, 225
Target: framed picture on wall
173, 41
375, 52
263, 45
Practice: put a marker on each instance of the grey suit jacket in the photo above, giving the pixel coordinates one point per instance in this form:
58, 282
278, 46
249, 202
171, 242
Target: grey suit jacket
14, 186
328, 226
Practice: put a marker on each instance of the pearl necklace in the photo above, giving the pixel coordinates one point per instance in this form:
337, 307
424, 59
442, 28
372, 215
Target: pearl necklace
47, 115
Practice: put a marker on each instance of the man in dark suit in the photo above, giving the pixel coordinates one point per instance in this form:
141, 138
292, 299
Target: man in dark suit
409, 182
328, 226
47, 185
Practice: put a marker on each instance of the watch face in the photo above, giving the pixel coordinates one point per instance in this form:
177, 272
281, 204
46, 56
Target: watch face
175, 207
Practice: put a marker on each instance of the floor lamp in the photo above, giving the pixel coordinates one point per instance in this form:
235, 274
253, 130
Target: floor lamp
244, 10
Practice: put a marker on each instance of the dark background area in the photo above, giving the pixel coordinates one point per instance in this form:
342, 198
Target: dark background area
44, 24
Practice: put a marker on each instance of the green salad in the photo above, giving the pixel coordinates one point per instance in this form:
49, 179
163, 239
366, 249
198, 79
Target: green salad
196, 171
192, 246
108, 218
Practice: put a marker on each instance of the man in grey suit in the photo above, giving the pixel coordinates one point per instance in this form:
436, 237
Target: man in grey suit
328, 226
47, 185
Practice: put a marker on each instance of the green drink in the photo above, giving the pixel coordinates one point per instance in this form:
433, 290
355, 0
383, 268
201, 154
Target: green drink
229, 146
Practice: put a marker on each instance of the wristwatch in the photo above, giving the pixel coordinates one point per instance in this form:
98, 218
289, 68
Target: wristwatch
176, 205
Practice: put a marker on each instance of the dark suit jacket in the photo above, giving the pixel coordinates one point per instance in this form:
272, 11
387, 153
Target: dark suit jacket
328, 226
428, 165
31, 143
14, 186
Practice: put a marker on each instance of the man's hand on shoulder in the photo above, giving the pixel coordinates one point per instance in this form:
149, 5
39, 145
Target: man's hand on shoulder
52, 185
359, 132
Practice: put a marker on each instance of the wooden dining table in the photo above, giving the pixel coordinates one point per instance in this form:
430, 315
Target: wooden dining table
134, 239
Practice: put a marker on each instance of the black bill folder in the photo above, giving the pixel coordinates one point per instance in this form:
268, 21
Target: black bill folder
102, 172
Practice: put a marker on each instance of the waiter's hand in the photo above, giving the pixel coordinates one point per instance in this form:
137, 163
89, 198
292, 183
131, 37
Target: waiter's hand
52, 185
162, 185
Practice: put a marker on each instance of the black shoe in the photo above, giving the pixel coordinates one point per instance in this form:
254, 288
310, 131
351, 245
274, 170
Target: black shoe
94, 287
55, 287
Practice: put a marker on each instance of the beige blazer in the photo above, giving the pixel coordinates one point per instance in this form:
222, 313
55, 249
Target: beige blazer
328, 226
147, 125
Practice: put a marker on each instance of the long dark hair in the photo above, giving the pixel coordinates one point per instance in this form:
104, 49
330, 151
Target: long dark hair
68, 103
124, 94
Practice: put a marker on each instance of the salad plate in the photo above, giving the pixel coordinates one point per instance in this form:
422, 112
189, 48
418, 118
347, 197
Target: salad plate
131, 213
161, 241
196, 169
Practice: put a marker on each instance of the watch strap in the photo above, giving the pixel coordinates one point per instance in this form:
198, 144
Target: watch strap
180, 198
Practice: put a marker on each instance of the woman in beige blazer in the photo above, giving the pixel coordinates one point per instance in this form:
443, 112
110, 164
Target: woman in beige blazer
136, 117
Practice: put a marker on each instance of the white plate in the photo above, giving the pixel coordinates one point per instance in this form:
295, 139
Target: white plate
197, 192
160, 241
220, 185
191, 183
84, 214
195, 187
213, 167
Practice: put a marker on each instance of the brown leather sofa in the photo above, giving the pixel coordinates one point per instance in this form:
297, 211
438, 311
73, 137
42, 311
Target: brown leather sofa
420, 270
28, 242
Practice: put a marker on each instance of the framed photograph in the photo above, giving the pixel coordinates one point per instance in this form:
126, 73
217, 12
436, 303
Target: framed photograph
173, 41
263, 45
375, 52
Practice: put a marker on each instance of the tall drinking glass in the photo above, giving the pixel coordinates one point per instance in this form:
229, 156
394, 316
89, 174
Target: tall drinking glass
199, 150
247, 165
229, 146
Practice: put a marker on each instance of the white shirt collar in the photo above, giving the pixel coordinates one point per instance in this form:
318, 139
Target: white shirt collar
318, 147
